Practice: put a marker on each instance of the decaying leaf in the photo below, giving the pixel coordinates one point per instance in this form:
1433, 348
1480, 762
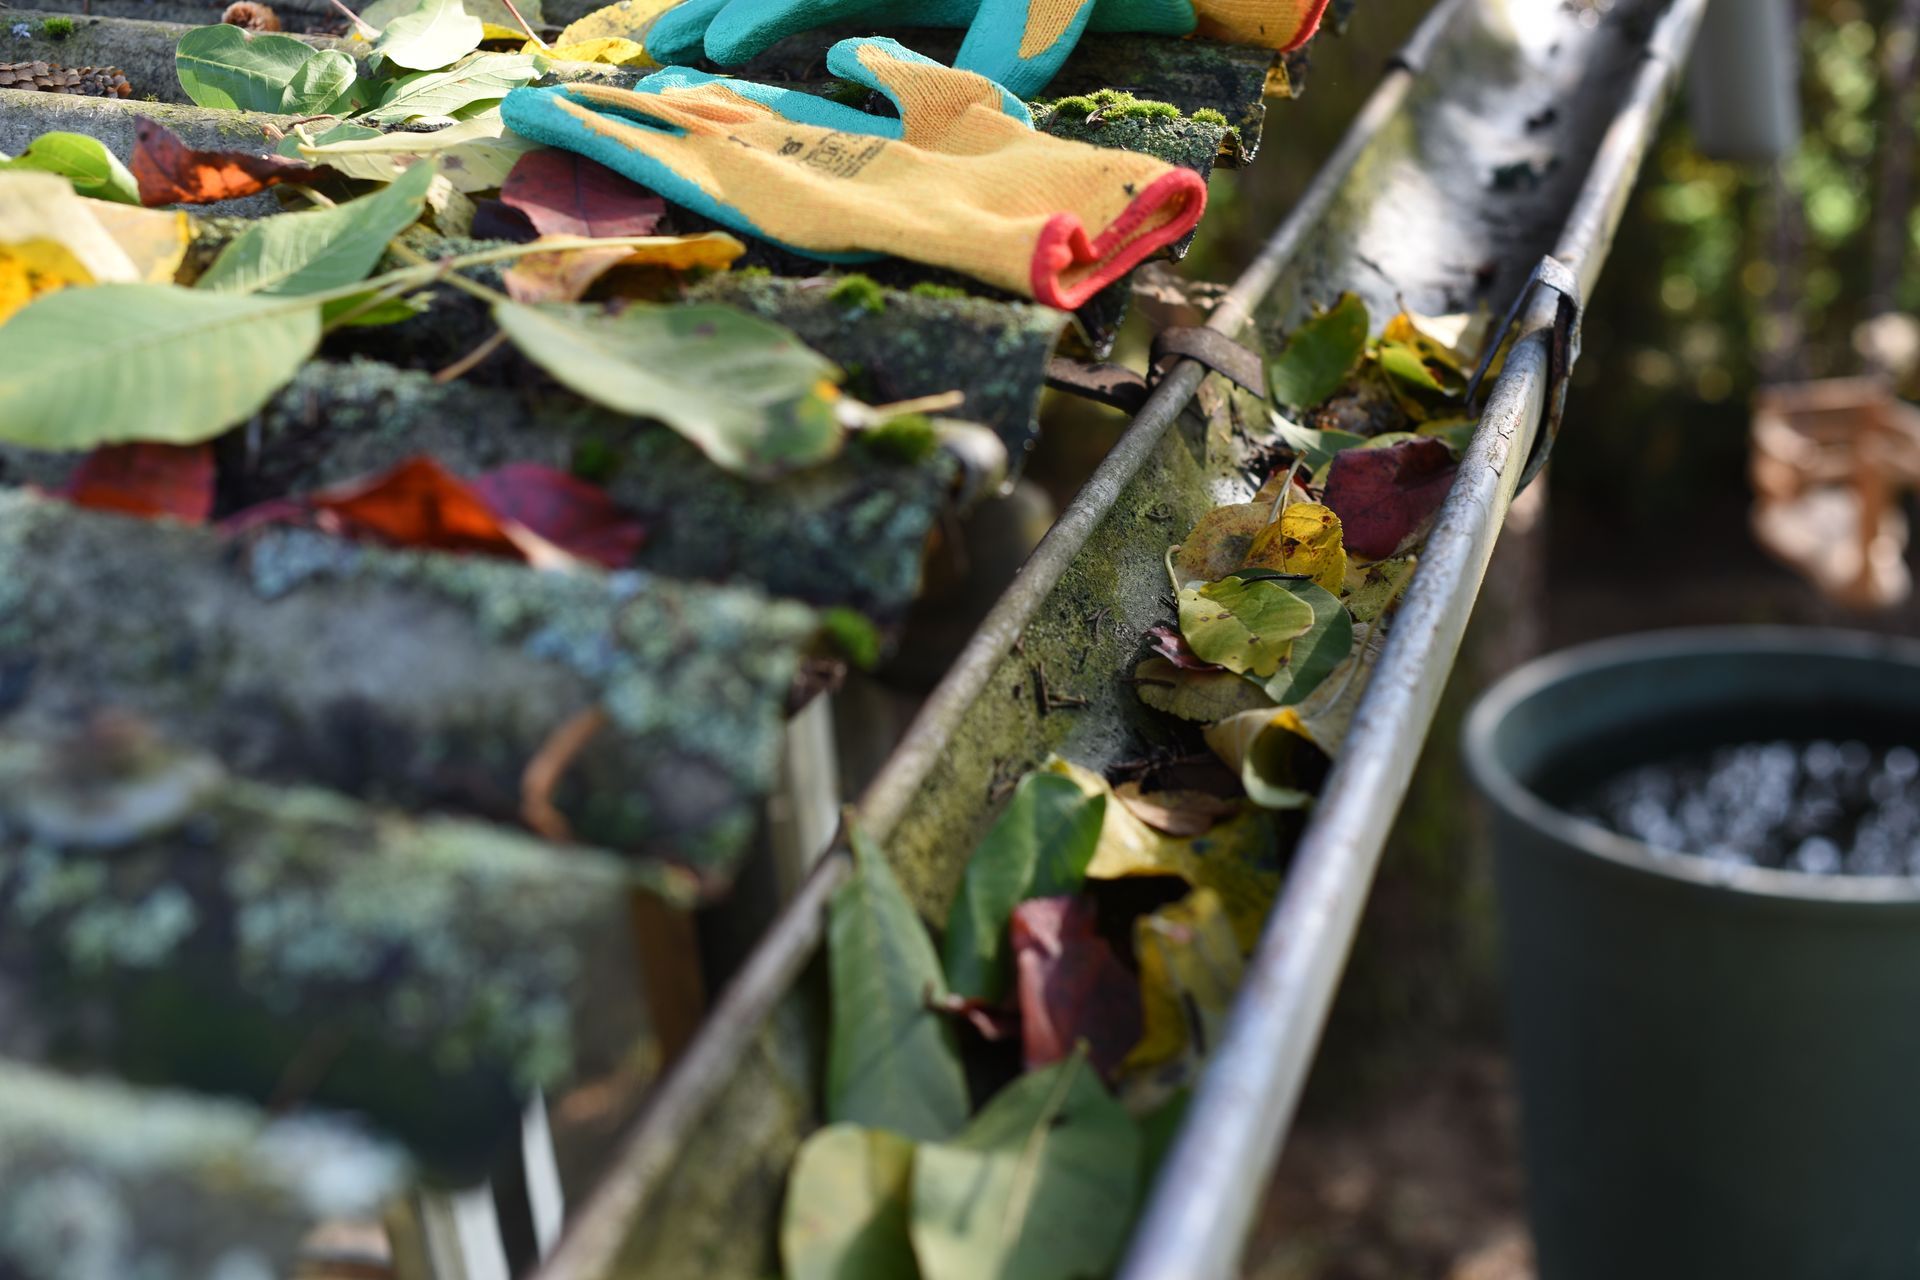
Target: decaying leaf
1204, 695
1243, 623
168, 171
1041, 1186
1372, 590
1038, 847
146, 480
1239, 858
892, 1061
629, 20
1176, 813
847, 1204
519, 511
1305, 540
1073, 989
743, 389
563, 194
1385, 496
1172, 646
1319, 354
1190, 966
1219, 543
575, 266
473, 155
614, 51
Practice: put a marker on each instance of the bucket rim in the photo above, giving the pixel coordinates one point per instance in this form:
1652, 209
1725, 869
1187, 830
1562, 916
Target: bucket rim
1502, 788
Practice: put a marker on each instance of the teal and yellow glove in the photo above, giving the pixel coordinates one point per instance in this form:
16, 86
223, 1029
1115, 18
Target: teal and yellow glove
960, 180
1016, 43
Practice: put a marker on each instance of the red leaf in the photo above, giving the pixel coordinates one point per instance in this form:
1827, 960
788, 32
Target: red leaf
573, 515
563, 194
1171, 645
171, 172
1072, 986
1382, 496
146, 480
417, 503
994, 1022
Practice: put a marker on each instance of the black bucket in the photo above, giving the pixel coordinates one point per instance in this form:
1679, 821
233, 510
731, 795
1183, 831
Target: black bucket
1719, 1066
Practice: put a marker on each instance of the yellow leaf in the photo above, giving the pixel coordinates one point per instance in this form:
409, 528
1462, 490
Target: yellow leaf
494, 31
1262, 748
1196, 695
1304, 540
1239, 858
42, 206
615, 51
1218, 544
628, 19
1190, 965
1453, 340
33, 268
576, 262
155, 240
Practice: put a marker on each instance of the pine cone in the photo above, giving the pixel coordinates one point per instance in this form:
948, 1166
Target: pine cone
51, 77
251, 15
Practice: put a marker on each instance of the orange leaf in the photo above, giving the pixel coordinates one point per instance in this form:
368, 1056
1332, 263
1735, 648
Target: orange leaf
171, 172
146, 480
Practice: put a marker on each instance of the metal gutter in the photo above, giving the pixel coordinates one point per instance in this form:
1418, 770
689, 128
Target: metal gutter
1214, 1177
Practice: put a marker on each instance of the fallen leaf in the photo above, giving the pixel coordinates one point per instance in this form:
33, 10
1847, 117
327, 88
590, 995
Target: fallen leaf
224, 67
892, 1061
1242, 623
119, 362
577, 265
1319, 354
154, 240
1041, 1186
1219, 542
476, 79
168, 171
474, 155
419, 503
84, 161
1317, 651
1204, 695
1172, 646
1239, 858
41, 209
1073, 989
1262, 748
747, 392
994, 1022
1305, 540
492, 13
1176, 813
1038, 847
1421, 385
578, 517
629, 19
845, 1216
1324, 716
1453, 340
613, 51
319, 249
432, 36
1190, 966
146, 480
1315, 447
1385, 496
564, 194
1371, 591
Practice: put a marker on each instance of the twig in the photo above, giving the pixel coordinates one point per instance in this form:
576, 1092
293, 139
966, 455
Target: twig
466, 363
366, 29
545, 769
527, 27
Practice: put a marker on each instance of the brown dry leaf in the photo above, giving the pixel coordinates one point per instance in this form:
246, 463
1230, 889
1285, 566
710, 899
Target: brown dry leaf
1176, 813
171, 172
577, 263
1219, 542
1306, 540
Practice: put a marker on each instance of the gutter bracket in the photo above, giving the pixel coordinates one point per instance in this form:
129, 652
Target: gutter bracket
1121, 388
1562, 352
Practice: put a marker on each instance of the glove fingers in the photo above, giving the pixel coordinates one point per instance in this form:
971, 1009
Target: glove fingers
928, 95
1021, 43
746, 27
679, 35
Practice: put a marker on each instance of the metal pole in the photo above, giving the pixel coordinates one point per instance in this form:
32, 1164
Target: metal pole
1213, 1179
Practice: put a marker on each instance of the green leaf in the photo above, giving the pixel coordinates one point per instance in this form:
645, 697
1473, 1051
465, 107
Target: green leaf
382, 12
892, 1062
846, 1211
320, 84
1372, 589
484, 77
434, 35
1039, 848
474, 155
741, 388
1315, 447
117, 362
1203, 696
1315, 652
85, 162
1413, 380
293, 145
388, 311
1040, 1187
322, 248
1319, 355
1244, 623
222, 66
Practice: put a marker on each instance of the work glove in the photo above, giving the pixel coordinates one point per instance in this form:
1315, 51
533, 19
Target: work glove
960, 180
1015, 43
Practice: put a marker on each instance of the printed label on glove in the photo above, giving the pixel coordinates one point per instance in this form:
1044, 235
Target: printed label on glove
839, 155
